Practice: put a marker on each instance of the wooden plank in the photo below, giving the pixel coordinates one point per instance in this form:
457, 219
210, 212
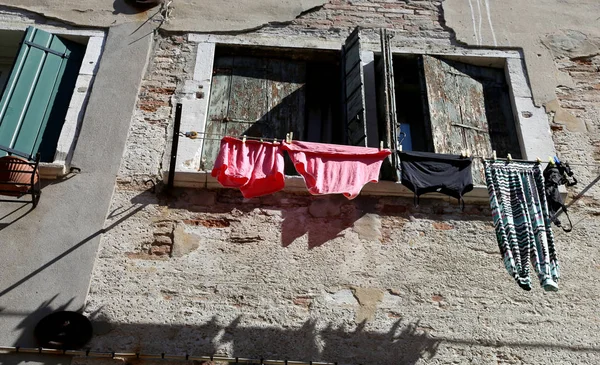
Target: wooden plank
248, 95
354, 83
211, 145
217, 111
286, 98
355, 106
219, 94
388, 93
354, 95
456, 99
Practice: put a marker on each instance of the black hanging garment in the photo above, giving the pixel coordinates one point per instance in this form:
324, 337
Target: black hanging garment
426, 172
554, 175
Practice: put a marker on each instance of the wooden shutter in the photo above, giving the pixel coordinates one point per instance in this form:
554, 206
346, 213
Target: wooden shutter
258, 97
354, 94
386, 98
36, 97
457, 112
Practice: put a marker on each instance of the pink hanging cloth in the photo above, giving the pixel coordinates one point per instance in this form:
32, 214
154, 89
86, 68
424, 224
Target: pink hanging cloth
335, 169
255, 167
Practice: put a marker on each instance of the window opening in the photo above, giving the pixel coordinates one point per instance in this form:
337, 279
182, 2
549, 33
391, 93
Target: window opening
37, 91
268, 93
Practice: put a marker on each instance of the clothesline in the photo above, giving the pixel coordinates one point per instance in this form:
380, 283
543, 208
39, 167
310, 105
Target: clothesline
196, 135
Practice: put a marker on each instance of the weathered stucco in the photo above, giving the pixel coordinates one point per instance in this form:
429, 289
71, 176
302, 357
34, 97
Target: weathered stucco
374, 280
186, 15
291, 276
544, 29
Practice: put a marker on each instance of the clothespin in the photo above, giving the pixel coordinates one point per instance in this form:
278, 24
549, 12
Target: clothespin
244, 139
468, 153
463, 154
274, 140
538, 160
494, 155
191, 134
291, 136
508, 157
381, 145
261, 140
550, 160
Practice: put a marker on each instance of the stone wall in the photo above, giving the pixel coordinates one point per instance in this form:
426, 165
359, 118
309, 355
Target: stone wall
422, 19
299, 277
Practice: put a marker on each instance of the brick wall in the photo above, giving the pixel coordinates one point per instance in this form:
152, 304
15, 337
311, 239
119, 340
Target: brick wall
172, 62
417, 20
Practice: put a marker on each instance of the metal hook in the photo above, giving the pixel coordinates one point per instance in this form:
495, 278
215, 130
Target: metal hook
403, 137
153, 185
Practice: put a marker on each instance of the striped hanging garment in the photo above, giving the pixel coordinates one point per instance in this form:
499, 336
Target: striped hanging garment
522, 222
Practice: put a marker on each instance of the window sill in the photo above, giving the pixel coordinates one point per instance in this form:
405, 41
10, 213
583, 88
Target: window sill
295, 184
51, 170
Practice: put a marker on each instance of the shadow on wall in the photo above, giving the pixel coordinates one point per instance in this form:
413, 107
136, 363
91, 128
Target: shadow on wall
402, 344
319, 218
130, 7
14, 215
323, 220
30, 320
8, 215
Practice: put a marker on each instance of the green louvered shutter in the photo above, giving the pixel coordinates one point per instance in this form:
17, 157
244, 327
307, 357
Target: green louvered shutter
36, 97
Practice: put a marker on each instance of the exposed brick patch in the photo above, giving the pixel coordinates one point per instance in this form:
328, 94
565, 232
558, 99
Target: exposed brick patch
143, 256
338, 17
210, 223
303, 301
151, 105
161, 243
437, 298
394, 209
160, 90
442, 226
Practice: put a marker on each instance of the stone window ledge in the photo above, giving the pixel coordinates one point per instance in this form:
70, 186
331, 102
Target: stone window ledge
295, 184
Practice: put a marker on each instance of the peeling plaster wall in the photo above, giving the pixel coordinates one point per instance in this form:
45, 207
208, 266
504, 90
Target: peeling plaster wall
543, 29
373, 280
185, 15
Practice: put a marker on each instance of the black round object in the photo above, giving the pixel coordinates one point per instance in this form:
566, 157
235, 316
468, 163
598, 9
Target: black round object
63, 330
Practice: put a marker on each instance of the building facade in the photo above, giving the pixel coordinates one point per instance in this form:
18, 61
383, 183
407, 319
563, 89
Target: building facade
197, 269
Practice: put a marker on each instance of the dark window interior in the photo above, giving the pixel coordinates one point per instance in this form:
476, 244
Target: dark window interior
410, 99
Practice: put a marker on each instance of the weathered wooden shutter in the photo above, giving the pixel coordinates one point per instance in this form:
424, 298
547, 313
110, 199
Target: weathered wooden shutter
457, 112
258, 97
386, 96
36, 97
354, 94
